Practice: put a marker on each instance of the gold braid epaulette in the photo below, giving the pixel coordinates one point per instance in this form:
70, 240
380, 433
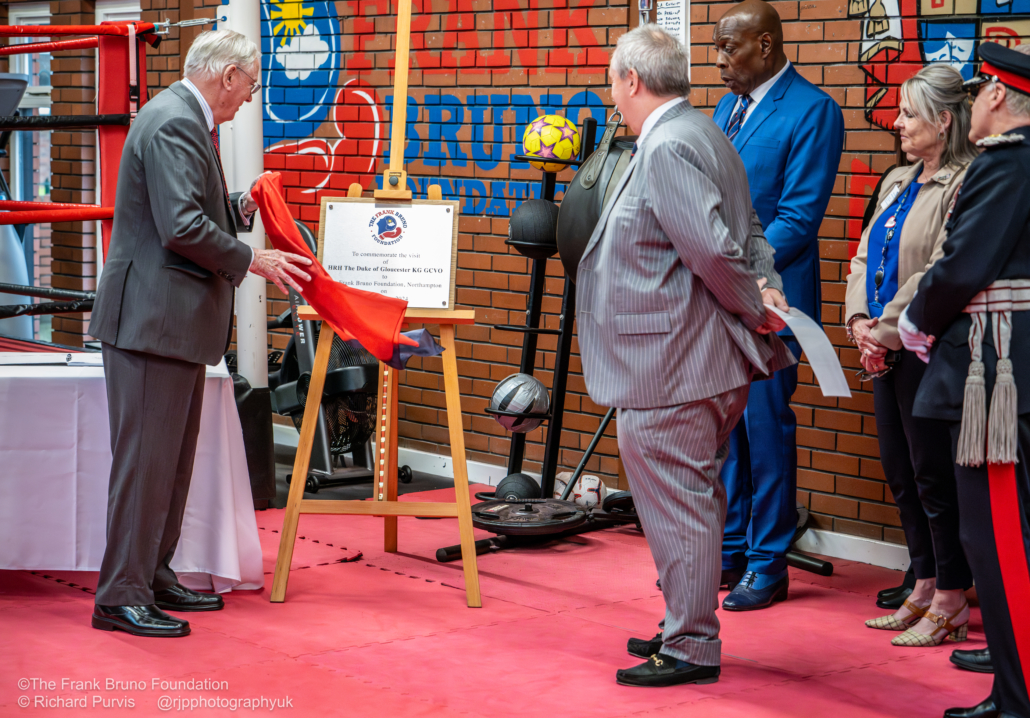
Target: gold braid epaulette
997, 140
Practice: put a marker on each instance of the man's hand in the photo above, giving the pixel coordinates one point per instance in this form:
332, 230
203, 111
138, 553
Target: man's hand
248, 204
279, 266
773, 323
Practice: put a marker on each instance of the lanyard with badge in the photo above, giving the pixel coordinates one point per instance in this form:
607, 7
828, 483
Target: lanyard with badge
891, 225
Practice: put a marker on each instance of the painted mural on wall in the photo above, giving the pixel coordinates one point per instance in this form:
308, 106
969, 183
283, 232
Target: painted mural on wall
901, 36
323, 118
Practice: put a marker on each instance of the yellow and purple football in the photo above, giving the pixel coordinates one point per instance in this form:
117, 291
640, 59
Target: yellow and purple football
550, 136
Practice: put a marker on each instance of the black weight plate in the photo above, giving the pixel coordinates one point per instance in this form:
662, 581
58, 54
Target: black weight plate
527, 517
618, 502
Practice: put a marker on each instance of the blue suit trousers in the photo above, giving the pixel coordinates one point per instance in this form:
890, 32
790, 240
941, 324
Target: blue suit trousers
761, 476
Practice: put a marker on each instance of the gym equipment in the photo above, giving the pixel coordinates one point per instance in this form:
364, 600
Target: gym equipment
531, 232
531, 229
346, 417
519, 403
515, 487
528, 517
589, 492
121, 91
521, 522
13, 268
530, 235
589, 191
550, 137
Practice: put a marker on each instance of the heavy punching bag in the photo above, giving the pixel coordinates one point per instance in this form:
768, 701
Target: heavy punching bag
588, 193
13, 271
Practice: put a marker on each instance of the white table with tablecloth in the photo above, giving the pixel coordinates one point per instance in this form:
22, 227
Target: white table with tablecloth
55, 461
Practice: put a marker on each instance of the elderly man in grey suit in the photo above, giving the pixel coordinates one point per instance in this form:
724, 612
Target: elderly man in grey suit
672, 329
164, 309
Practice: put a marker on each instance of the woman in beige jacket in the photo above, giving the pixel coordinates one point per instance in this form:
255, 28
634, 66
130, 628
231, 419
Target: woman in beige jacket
904, 238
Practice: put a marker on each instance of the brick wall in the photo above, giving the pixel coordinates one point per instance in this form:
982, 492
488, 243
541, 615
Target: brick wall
481, 69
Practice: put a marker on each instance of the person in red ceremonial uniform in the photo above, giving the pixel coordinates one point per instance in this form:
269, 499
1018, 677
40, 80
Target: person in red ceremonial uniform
164, 309
970, 319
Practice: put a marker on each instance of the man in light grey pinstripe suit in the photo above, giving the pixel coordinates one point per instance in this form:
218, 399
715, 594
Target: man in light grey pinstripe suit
672, 329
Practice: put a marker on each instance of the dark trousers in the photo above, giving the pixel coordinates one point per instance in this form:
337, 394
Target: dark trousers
154, 405
761, 476
977, 532
917, 461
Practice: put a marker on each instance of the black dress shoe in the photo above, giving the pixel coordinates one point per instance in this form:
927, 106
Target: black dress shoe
730, 578
660, 670
976, 661
644, 649
139, 621
908, 582
747, 598
893, 598
180, 598
984, 710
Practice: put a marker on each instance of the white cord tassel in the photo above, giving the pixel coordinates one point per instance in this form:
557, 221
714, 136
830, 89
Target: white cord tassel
1004, 419
972, 436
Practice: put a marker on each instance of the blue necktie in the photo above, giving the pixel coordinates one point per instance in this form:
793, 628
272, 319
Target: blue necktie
737, 121
634, 150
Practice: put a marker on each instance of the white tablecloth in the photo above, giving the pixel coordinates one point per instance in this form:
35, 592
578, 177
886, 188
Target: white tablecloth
55, 461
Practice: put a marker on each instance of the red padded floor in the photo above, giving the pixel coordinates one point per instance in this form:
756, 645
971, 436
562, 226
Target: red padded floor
389, 635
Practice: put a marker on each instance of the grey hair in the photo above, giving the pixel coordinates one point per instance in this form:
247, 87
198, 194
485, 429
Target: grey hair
1017, 102
937, 89
214, 50
661, 61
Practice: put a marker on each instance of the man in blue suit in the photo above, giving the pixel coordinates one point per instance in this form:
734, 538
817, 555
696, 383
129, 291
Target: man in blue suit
790, 135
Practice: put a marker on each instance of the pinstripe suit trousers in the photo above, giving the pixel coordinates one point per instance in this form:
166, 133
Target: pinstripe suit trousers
673, 456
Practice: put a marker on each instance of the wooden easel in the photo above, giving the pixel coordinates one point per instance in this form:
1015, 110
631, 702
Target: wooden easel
384, 499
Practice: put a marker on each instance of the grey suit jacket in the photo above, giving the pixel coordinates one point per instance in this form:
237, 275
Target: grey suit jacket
667, 294
174, 260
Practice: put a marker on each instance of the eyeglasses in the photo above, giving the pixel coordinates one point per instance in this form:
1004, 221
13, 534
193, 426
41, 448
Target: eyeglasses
254, 84
974, 85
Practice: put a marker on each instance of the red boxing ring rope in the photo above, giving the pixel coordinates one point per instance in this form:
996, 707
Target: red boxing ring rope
81, 44
142, 28
10, 204
56, 215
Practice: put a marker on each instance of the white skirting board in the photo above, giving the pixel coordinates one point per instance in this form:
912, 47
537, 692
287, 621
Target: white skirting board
855, 548
827, 543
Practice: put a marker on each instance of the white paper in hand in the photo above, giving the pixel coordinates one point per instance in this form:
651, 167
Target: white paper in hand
818, 350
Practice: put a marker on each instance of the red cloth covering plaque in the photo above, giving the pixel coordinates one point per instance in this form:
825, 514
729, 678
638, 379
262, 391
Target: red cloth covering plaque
372, 319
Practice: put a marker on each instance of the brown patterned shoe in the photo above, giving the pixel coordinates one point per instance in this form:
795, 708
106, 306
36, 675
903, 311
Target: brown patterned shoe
945, 630
893, 623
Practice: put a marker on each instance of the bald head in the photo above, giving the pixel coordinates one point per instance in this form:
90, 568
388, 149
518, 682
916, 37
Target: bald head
749, 41
756, 17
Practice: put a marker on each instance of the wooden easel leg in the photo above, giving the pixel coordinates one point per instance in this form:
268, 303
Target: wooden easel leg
288, 535
390, 522
461, 483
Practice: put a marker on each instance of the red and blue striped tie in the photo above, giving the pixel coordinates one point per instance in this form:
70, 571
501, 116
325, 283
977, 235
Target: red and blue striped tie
737, 121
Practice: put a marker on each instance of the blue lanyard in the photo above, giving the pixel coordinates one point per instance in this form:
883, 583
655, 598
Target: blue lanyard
893, 222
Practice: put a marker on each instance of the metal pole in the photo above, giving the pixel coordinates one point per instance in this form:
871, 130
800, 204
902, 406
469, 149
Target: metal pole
246, 158
561, 376
517, 451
